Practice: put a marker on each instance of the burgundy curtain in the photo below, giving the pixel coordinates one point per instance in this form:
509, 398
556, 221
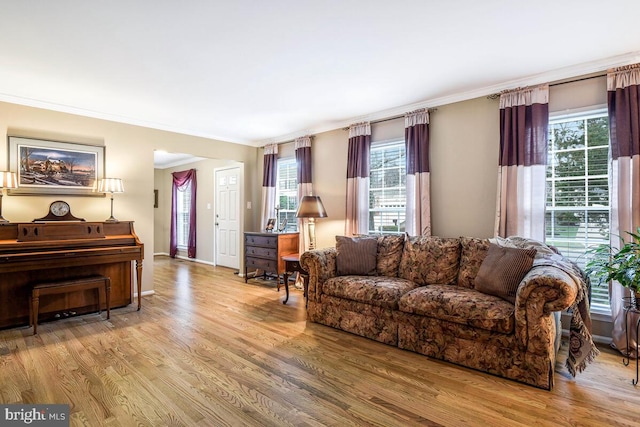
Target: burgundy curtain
624, 132
180, 181
305, 188
524, 127
269, 178
418, 208
357, 221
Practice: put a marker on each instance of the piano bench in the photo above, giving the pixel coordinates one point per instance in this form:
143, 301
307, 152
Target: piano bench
66, 286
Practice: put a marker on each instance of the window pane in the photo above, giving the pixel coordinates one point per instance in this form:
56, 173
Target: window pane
598, 159
569, 163
569, 135
598, 131
387, 178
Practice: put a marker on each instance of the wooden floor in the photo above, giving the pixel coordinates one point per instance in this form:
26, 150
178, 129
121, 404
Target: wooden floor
209, 350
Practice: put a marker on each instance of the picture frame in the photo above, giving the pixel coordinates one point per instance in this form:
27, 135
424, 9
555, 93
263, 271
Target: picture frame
46, 167
283, 225
271, 223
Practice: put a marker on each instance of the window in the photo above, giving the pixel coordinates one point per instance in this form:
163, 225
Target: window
577, 208
387, 183
287, 193
183, 213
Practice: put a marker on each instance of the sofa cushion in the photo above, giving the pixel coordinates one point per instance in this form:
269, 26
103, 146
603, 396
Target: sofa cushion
460, 305
356, 255
389, 254
472, 253
430, 260
376, 290
502, 271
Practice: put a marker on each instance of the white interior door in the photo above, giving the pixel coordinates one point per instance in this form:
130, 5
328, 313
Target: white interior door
227, 217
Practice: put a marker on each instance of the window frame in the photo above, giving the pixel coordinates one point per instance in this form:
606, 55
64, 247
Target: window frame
402, 186
292, 226
602, 310
183, 213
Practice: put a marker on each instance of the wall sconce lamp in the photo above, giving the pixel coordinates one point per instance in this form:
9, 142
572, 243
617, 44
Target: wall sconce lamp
311, 207
7, 180
111, 185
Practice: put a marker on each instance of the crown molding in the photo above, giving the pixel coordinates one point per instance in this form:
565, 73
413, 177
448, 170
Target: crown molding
546, 77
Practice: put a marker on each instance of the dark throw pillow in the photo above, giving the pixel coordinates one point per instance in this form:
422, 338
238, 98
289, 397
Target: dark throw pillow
356, 255
502, 270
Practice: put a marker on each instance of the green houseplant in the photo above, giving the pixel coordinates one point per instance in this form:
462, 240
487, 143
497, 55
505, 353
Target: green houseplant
622, 265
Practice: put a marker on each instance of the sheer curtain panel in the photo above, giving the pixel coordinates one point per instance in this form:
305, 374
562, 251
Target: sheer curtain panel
357, 221
269, 178
524, 124
418, 207
623, 101
305, 187
182, 181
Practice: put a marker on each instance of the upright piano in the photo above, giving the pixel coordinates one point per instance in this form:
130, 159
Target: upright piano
38, 252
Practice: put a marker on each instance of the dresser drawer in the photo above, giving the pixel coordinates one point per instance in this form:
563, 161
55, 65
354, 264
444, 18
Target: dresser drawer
264, 241
270, 265
256, 251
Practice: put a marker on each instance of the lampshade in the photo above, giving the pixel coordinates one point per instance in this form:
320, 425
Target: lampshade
311, 207
110, 185
8, 180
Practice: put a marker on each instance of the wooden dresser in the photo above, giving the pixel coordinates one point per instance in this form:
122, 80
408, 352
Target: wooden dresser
264, 251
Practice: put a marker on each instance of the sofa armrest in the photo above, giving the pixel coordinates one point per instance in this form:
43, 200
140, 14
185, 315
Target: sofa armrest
320, 264
543, 290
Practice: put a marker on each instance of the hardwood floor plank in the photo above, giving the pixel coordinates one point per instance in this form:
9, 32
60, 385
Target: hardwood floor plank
208, 349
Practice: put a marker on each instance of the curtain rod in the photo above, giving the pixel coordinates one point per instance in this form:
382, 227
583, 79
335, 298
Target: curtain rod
399, 116
497, 95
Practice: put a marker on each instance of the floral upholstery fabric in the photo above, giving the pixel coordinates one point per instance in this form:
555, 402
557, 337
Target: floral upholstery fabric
389, 255
460, 305
473, 252
377, 290
430, 260
362, 319
445, 320
479, 349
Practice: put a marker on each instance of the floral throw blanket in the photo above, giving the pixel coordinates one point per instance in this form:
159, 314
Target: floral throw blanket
582, 349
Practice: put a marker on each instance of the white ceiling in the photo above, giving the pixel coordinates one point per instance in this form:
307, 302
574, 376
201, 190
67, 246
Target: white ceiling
253, 72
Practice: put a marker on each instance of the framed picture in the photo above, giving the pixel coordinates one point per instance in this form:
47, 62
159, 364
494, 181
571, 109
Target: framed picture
283, 225
271, 223
53, 167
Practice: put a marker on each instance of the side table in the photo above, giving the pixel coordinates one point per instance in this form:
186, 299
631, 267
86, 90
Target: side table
292, 265
630, 307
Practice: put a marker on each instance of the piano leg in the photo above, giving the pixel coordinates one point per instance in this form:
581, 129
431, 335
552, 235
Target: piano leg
139, 277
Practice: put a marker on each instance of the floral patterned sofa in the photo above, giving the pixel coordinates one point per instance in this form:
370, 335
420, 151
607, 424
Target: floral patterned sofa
422, 298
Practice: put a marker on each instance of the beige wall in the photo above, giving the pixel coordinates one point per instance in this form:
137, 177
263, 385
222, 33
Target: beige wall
465, 141
205, 205
128, 155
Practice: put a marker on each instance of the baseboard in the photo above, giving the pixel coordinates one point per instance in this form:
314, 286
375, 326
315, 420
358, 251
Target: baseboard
144, 293
184, 258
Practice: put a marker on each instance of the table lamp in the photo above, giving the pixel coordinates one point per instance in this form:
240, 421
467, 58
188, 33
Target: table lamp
7, 180
111, 185
311, 207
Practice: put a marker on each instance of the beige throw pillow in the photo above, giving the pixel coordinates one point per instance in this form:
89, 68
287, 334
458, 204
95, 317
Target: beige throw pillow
356, 255
502, 271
